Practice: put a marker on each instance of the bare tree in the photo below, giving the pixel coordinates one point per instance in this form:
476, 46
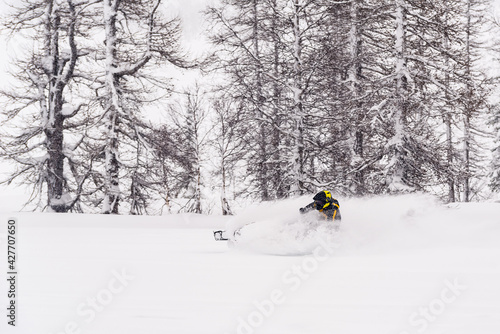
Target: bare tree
182, 150
229, 142
136, 35
40, 107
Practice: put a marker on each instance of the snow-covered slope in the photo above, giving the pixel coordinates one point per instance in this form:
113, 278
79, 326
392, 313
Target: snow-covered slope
399, 265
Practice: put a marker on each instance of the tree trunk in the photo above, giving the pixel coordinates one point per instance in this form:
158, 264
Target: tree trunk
468, 107
53, 122
278, 178
112, 167
354, 78
449, 158
448, 118
397, 169
297, 186
226, 209
263, 162
58, 70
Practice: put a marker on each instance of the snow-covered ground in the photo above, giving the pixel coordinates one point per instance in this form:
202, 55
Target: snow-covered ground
401, 265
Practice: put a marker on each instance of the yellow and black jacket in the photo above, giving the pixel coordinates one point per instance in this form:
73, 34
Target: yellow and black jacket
326, 204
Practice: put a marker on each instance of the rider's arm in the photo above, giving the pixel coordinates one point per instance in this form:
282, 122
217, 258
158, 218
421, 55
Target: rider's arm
308, 207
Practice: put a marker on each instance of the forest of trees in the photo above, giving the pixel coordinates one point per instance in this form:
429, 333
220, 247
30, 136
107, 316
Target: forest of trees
356, 96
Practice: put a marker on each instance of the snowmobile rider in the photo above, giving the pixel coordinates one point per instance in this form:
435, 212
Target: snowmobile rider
326, 204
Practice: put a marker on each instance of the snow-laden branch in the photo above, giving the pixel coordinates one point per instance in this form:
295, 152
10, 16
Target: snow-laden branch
68, 112
248, 51
131, 69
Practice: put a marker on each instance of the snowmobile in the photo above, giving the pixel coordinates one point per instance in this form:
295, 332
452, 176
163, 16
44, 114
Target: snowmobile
224, 235
297, 228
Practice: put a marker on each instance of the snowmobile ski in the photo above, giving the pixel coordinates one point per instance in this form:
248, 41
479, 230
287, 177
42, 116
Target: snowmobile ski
220, 235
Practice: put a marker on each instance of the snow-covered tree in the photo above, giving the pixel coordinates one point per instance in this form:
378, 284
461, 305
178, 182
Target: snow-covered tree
356, 56
41, 110
495, 164
273, 62
229, 145
474, 92
410, 152
240, 53
183, 146
449, 29
136, 36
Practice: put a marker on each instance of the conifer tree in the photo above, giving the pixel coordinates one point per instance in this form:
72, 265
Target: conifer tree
43, 108
229, 145
136, 36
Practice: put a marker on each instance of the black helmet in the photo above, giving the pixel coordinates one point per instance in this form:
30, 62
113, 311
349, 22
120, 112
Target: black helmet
323, 196
322, 199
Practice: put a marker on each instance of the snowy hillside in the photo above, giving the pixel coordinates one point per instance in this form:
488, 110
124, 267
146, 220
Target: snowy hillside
400, 265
